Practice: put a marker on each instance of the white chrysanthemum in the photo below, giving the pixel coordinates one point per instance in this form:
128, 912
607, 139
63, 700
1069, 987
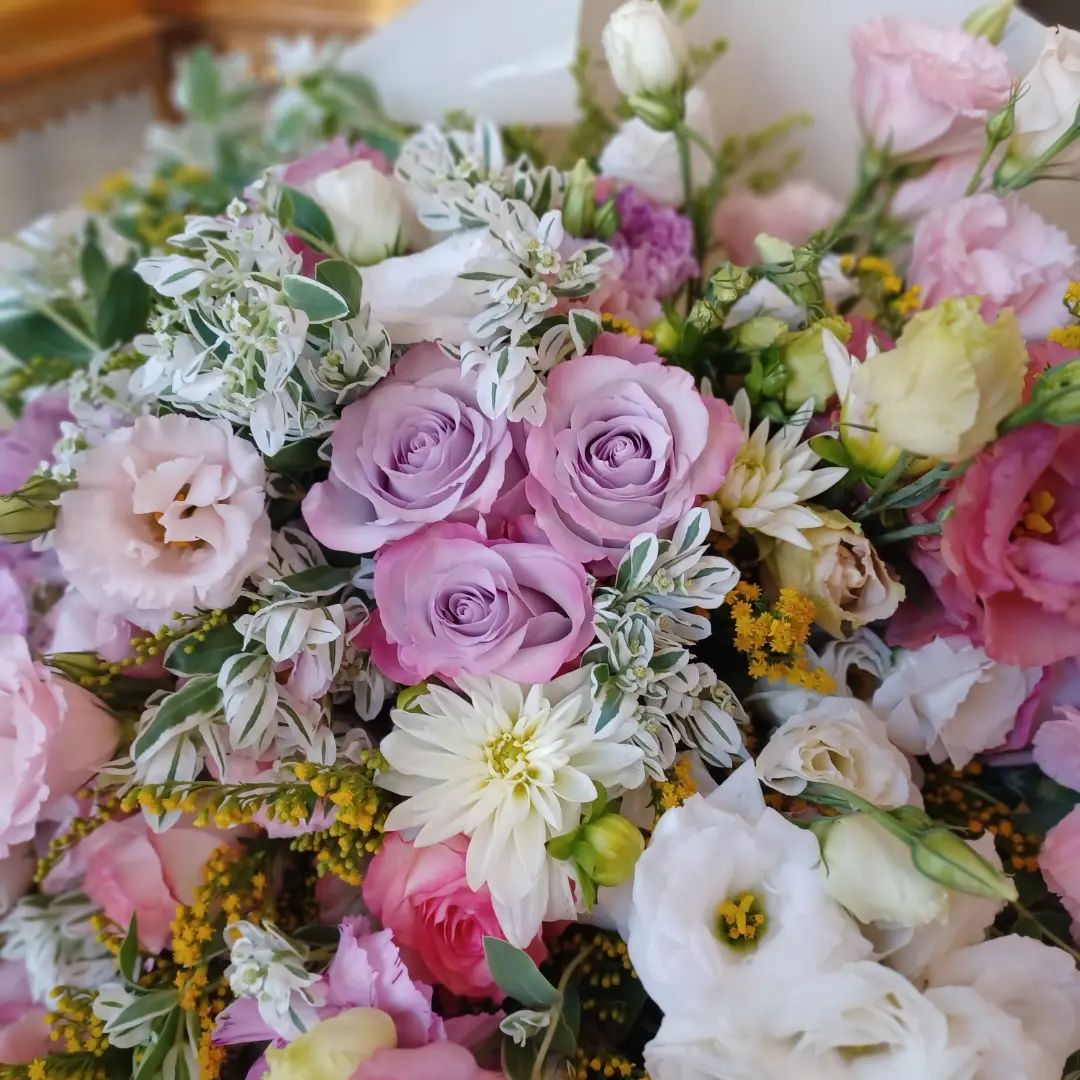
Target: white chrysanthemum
510, 767
770, 480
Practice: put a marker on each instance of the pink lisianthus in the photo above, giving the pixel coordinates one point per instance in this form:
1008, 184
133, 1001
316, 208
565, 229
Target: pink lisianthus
30, 440
443, 1060
1011, 548
625, 448
628, 346
793, 212
128, 869
55, 734
1057, 748
452, 603
417, 449
179, 519
921, 92
24, 1031
1059, 861
1000, 250
440, 923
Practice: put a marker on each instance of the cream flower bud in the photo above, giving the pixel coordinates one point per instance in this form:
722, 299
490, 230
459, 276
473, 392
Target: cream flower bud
1048, 107
942, 856
840, 571
950, 381
333, 1049
807, 363
614, 846
870, 872
364, 209
645, 51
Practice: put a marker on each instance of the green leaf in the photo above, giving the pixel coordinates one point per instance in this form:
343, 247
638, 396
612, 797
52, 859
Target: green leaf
129, 950
319, 580
831, 449
28, 335
562, 847
124, 308
150, 1065
298, 458
198, 699
143, 1008
320, 303
518, 1061
302, 212
637, 562
516, 975
92, 263
344, 279
201, 87
189, 656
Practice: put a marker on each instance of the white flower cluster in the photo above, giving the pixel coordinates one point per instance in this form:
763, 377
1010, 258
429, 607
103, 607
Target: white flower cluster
249, 339
641, 662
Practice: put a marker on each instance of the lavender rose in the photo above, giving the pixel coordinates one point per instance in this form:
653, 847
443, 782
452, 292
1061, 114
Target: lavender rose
454, 603
625, 449
416, 450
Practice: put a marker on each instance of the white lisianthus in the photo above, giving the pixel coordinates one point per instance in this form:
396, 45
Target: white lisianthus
1047, 107
644, 49
364, 208
839, 741
510, 767
728, 893
335, 1048
951, 701
870, 872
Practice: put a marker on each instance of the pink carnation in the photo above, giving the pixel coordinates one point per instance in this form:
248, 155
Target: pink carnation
921, 92
439, 922
625, 448
1057, 748
55, 734
453, 603
1000, 250
793, 212
417, 449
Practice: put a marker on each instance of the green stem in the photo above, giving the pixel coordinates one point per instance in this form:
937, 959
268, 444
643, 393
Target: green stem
1028, 173
537, 1071
683, 136
984, 160
1045, 931
66, 324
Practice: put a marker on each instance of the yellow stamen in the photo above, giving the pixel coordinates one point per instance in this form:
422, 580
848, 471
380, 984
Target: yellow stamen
738, 920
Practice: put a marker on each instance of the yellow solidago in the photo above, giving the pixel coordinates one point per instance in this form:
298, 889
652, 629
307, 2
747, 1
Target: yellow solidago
773, 636
74, 1024
1069, 336
624, 326
676, 789
78, 829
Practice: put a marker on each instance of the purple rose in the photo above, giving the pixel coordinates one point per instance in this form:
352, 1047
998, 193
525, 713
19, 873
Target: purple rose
417, 449
625, 449
30, 440
454, 603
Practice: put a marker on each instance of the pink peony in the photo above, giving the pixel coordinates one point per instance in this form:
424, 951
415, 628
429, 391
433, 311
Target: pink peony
921, 92
1059, 861
30, 440
438, 921
168, 516
793, 212
1011, 548
1000, 250
443, 1060
1057, 748
453, 603
55, 734
625, 449
24, 1033
128, 869
417, 449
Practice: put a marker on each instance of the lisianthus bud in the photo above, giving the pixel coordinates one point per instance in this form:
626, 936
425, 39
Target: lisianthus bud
333, 1049
606, 221
609, 847
1002, 124
579, 200
364, 209
870, 872
662, 112
942, 856
807, 364
31, 510
990, 20
645, 51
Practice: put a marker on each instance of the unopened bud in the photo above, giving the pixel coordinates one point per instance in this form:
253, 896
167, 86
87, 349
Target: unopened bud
991, 20
606, 220
30, 511
579, 200
1057, 394
1002, 124
945, 858
608, 848
662, 112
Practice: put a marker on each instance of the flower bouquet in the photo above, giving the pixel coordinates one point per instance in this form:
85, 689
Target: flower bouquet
484, 602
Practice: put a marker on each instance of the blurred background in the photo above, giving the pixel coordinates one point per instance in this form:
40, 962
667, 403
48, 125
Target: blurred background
80, 80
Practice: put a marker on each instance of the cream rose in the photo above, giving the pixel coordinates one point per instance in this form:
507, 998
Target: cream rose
364, 207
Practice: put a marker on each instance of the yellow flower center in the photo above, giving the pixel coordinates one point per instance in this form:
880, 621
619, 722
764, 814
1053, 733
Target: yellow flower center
507, 755
740, 921
1035, 516
158, 530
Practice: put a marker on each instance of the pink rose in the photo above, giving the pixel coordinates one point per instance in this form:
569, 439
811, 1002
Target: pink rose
793, 212
438, 921
443, 1060
1059, 861
1001, 250
1057, 748
24, 1033
625, 449
417, 449
131, 870
55, 735
921, 92
453, 603
1011, 547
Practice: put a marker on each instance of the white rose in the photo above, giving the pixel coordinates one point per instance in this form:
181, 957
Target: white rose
951, 701
869, 871
645, 51
839, 741
649, 159
1047, 108
364, 208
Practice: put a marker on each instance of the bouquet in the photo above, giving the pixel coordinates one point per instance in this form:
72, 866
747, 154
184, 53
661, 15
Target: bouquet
483, 602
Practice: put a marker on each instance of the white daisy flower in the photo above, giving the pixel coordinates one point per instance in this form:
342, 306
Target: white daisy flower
771, 479
510, 767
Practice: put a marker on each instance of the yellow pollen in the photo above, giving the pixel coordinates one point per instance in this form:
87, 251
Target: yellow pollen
1035, 515
737, 920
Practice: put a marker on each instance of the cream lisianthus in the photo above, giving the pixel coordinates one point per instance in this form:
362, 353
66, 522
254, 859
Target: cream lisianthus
333, 1049
950, 381
644, 49
839, 741
771, 479
1046, 110
364, 207
510, 767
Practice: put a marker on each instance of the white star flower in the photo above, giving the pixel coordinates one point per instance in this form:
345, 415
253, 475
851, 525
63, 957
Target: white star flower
510, 767
771, 479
